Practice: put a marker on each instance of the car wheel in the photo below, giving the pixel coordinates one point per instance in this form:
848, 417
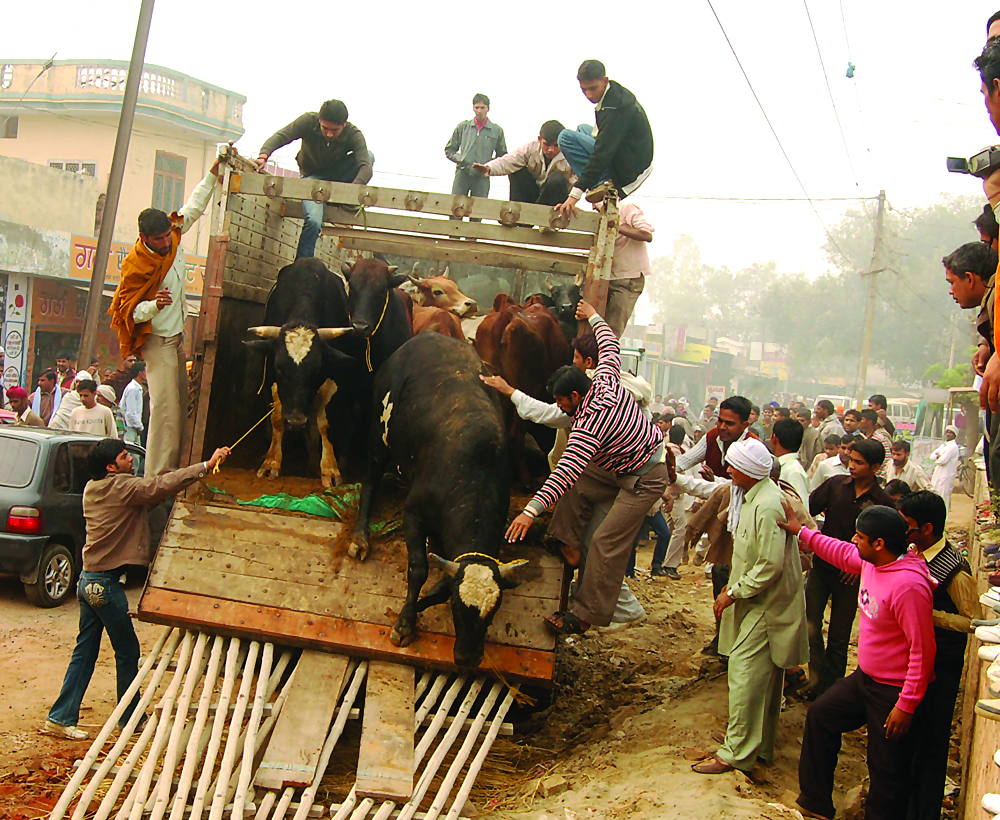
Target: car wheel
55, 578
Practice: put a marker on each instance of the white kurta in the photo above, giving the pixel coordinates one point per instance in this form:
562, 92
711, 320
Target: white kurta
945, 459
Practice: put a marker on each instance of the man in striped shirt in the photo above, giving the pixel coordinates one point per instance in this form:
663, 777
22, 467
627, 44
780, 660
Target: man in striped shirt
614, 452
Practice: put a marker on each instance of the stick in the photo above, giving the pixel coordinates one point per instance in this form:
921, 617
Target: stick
95, 748
477, 762
283, 804
363, 808
126, 770
219, 800
264, 809
431, 699
439, 718
246, 769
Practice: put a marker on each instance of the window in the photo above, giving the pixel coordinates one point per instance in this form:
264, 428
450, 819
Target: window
18, 458
61, 471
81, 475
168, 182
8, 128
6, 76
75, 167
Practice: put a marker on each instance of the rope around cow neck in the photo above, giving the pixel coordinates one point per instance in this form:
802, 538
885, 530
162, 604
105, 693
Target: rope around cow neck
368, 348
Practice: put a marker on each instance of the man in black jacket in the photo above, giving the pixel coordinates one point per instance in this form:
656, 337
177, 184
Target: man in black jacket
619, 149
332, 149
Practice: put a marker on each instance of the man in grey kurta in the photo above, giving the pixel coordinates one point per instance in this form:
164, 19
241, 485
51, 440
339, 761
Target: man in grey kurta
762, 610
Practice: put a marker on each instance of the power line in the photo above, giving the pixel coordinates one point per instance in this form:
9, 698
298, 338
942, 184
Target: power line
776, 138
829, 91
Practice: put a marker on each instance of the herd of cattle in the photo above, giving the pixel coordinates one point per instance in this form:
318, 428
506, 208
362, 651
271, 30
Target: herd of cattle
390, 379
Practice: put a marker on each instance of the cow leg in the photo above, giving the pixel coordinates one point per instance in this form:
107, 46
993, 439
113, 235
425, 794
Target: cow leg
378, 457
328, 471
272, 461
519, 429
404, 632
439, 593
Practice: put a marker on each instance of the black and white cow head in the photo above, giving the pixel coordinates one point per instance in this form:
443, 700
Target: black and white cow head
477, 583
303, 361
369, 283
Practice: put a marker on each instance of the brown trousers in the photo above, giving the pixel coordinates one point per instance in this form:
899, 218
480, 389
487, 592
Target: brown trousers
611, 545
622, 296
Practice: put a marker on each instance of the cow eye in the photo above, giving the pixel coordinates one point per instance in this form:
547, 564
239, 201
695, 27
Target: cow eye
439, 293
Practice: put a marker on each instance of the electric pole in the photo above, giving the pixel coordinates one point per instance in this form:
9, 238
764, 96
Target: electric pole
874, 269
88, 341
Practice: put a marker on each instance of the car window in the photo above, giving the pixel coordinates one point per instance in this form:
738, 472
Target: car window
81, 475
62, 473
18, 458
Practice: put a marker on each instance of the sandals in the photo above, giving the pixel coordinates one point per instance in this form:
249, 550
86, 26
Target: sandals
570, 624
795, 680
712, 766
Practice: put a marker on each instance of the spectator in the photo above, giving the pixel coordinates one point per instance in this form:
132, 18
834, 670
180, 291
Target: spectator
902, 467
47, 397
132, 403
91, 417
831, 448
812, 444
18, 398
852, 420
106, 397
785, 443
829, 424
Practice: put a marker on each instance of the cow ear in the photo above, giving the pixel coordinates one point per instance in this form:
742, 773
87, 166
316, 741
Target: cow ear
510, 574
449, 568
398, 279
346, 269
260, 345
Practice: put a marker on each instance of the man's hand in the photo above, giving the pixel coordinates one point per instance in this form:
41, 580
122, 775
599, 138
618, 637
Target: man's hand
706, 472
991, 187
897, 724
668, 502
584, 310
980, 358
260, 162
519, 527
163, 298
218, 457
569, 206
882, 415
989, 393
724, 600
792, 524
849, 579
497, 383
480, 168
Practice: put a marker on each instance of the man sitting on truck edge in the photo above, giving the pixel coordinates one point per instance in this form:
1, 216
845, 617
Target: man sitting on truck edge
332, 149
538, 171
115, 504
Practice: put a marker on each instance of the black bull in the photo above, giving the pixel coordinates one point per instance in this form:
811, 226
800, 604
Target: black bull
323, 348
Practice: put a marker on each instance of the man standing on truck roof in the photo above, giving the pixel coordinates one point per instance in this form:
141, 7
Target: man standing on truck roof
474, 142
332, 149
619, 148
148, 312
115, 504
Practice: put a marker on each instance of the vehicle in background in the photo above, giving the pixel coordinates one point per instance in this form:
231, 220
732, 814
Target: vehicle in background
42, 476
7, 416
902, 413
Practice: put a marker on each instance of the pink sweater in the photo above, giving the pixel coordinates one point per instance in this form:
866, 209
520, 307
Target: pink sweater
896, 644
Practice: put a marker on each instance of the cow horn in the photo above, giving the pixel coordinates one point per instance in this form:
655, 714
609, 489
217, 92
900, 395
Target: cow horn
329, 333
509, 570
393, 268
447, 271
266, 331
449, 568
345, 268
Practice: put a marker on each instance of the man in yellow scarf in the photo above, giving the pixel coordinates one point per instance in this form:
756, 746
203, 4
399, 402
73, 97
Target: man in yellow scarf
148, 312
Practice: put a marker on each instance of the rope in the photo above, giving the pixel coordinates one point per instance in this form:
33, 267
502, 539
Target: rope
263, 377
368, 348
519, 697
247, 433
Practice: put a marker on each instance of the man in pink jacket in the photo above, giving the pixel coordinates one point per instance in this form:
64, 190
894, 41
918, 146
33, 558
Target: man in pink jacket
895, 663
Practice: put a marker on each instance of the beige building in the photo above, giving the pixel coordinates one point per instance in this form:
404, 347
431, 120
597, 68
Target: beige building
58, 124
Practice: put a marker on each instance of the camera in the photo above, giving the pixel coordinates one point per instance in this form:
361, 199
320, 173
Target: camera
980, 165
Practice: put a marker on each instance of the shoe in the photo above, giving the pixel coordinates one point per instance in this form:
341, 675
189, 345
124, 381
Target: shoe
991, 802
991, 622
672, 573
712, 648
68, 732
993, 579
990, 598
988, 708
988, 634
658, 572
991, 549
597, 193
989, 652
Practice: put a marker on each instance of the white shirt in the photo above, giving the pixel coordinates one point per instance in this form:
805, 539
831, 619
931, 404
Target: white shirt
911, 474
792, 472
169, 321
131, 405
697, 453
97, 420
831, 467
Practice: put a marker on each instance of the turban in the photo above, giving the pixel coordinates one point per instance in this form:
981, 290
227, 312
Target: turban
952, 428
885, 523
17, 393
752, 458
108, 392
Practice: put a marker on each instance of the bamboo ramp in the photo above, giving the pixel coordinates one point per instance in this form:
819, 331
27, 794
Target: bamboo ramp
213, 703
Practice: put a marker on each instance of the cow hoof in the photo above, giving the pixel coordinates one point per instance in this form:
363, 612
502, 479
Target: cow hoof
401, 640
358, 550
327, 484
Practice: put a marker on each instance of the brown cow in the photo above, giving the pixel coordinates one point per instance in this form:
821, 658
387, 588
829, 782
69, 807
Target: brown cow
525, 345
442, 292
437, 320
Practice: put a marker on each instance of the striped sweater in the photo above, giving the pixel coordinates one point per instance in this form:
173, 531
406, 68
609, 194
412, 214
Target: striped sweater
608, 427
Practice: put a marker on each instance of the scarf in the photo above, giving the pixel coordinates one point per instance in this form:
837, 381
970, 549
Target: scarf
36, 402
143, 273
752, 458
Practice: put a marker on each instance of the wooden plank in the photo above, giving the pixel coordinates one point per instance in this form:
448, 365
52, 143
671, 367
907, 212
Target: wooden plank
452, 228
293, 751
448, 250
385, 759
332, 634
248, 293
344, 193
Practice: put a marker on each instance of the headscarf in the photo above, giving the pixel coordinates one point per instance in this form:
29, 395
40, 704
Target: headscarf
952, 428
751, 457
885, 523
17, 392
108, 392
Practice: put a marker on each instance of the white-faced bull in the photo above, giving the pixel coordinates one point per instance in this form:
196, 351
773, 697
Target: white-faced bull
443, 429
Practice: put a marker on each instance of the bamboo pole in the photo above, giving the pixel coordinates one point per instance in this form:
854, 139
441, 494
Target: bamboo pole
249, 749
477, 762
345, 808
431, 700
95, 748
126, 770
221, 716
388, 807
442, 750
363, 808
219, 800
192, 753
471, 738
264, 809
309, 793
141, 787
284, 803
422, 685
439, 719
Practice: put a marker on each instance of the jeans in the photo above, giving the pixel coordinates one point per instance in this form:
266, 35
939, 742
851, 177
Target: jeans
828, 662
658, 524
103, 606
470, 183
577, 146
312, 212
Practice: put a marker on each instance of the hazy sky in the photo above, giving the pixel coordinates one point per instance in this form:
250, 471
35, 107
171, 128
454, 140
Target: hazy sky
408, 72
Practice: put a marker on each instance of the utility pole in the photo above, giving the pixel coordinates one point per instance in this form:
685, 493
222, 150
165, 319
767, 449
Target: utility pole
873, 271
92, 316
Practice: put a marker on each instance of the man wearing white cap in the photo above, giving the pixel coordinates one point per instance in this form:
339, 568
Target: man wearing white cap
762, 610
946, 458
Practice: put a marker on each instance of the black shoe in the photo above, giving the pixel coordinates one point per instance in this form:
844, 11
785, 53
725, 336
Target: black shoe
658, 572
672, 573
712, 648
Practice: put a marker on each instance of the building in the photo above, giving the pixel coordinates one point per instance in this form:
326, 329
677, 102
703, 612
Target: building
64, 115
